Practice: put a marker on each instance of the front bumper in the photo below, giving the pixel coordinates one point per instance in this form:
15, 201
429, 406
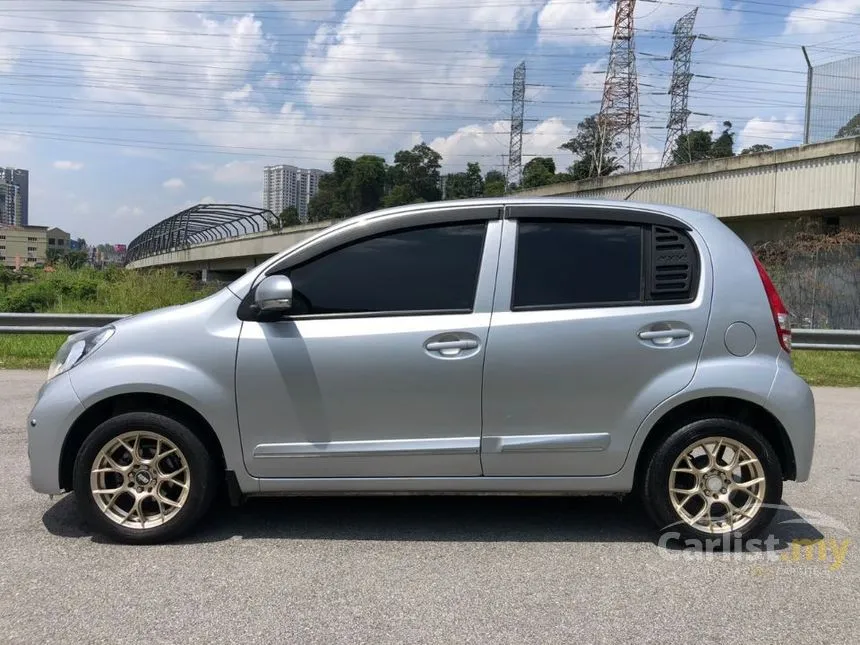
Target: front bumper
56, 408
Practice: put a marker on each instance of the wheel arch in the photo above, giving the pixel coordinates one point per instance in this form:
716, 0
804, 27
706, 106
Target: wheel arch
109, 407
732, 407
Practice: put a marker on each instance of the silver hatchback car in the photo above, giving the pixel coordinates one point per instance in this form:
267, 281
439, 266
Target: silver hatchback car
489, 346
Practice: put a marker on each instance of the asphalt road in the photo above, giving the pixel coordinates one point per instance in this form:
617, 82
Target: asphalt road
430, 570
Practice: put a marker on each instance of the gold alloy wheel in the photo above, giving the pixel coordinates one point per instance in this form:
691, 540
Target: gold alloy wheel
717, 485
140, 480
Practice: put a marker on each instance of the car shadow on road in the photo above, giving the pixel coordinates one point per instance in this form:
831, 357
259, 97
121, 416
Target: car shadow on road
430, 518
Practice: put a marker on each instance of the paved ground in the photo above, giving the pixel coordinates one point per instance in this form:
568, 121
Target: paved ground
425, 570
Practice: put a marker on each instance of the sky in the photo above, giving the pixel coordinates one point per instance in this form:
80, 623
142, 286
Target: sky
128, 111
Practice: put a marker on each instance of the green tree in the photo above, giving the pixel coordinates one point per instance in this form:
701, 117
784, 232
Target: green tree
456, 186
75, 259
584, 146
538, 172
474, 180
725, 143
493, 176
494, 184
850, 129
417, 171
53, 255
289, 217
699, 145
756, 148
7, 277
333, 197
399, 196
366, 184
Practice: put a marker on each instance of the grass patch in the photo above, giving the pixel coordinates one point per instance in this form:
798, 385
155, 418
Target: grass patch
828, 368
28, 351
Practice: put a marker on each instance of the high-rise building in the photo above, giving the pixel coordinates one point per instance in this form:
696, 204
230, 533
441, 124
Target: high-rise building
14, 196
285, 185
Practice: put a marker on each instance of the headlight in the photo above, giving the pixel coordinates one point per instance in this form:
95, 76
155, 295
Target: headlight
76, 348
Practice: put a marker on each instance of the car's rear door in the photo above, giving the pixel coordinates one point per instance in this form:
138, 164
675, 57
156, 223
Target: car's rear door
599, 316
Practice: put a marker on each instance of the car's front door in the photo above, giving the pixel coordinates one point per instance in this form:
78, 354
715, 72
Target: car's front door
600, 316
376, 371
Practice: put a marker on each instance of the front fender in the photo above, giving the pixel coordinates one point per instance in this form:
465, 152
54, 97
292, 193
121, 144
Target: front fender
209, 392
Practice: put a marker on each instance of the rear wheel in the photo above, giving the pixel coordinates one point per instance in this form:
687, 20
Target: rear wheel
143, 478
714, 477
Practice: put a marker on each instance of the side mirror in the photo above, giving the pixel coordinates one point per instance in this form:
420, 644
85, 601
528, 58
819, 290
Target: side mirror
274, 294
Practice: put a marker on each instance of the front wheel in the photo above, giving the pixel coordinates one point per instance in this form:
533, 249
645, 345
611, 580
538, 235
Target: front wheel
714, 477
143, 478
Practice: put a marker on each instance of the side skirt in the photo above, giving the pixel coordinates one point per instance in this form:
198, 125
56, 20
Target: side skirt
611, 485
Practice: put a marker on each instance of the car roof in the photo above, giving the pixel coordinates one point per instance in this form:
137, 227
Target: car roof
694, 218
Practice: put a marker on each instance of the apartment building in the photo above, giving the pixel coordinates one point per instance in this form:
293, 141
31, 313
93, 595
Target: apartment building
286, 185
14, 196
22, 246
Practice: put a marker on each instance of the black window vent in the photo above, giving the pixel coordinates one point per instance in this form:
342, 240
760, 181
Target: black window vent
673, 265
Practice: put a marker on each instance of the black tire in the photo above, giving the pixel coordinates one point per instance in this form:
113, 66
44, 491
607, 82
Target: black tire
201, 467
654, 486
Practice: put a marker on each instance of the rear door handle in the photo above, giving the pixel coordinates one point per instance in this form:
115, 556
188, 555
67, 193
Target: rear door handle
440, 345
664, 333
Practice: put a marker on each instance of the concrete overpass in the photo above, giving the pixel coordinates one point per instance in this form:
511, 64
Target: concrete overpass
759, 196
229, 258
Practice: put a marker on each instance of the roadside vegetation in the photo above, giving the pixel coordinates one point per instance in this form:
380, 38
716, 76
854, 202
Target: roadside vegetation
83, 290
88, 290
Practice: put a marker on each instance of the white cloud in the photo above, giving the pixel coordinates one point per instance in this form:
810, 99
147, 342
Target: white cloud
581, 23
272, 79
236, 96
820, 16
174, 183
128, 211
651, 155
143, 153
777, 133
488, 143
68, 165
239, 172
10, 143
589, 23
592, 76
82, 208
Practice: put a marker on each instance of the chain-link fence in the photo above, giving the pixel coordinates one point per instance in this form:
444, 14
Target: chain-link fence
818, 277
834, 99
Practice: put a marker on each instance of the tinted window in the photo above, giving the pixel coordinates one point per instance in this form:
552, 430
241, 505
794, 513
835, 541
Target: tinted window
565, 263
425, 269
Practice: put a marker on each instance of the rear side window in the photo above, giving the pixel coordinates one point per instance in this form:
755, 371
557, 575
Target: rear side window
432, 269
568, 264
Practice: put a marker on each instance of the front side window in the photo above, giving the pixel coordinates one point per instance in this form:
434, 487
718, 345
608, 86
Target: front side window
431, 269
577, 264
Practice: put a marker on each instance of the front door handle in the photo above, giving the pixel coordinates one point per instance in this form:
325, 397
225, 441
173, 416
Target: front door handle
664, 333
440, 345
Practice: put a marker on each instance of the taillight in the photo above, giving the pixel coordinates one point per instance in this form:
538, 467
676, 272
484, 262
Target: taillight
777, 308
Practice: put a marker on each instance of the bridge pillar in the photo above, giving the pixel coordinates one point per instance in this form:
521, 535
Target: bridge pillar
204, 275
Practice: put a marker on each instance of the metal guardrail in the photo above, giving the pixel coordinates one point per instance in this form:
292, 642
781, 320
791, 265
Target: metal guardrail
829, 339
53, 323
832, 339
